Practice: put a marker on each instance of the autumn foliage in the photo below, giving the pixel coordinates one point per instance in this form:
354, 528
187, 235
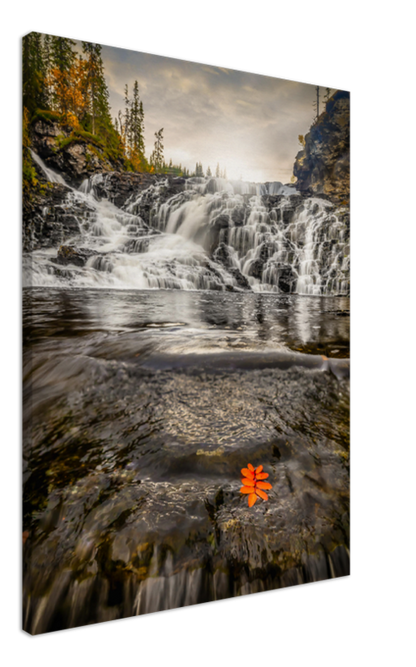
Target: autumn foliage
254, 484
68, 90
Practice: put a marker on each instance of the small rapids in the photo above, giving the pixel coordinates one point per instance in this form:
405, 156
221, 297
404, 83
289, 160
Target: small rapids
209, 234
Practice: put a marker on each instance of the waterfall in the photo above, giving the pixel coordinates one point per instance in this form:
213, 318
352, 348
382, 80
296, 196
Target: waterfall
209, 233
51, 175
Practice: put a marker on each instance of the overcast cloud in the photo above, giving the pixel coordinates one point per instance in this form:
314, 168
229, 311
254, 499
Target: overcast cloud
247, 122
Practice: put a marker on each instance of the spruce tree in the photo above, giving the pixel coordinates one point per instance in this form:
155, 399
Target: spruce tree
28, 81
136, 124
63, 56
62, 60
33, 73
47, 60
157, 159
316, 103
92, 74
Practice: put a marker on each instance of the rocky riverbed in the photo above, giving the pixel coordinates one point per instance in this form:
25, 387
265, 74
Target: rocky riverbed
140, 410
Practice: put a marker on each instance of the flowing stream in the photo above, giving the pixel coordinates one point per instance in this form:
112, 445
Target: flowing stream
167, 344
212, 234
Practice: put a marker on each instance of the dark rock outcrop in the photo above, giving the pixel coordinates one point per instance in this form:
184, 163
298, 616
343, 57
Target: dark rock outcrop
287, 279
68, 152
118, 186
222, 256
48, 220
68, 254
323, 166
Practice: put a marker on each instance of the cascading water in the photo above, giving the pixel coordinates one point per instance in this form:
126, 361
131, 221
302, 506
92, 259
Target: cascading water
51, 175
209, 234
142, 406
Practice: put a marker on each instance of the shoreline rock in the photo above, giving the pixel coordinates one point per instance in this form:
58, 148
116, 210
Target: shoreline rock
322, 168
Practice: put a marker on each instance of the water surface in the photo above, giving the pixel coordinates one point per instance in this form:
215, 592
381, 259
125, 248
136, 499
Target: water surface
140, 409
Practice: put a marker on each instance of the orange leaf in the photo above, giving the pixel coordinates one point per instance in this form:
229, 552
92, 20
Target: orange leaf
262, 475
259, 469
247, 473
252, 499
248, 482
261, 494
250, 467
263, 485
246, 489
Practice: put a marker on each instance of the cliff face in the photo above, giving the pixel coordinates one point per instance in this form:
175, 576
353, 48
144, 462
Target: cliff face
323, 166
70, 153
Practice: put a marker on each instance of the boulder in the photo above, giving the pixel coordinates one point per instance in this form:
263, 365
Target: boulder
241, 280
287, 279
223, 256
70, 255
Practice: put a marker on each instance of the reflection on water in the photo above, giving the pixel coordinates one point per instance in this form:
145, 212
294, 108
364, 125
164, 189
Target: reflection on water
186, 321
132, 469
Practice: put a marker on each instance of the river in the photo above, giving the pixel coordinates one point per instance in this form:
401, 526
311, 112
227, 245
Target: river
141, 407
172, 343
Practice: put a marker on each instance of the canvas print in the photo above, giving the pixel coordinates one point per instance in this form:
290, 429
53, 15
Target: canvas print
186, 333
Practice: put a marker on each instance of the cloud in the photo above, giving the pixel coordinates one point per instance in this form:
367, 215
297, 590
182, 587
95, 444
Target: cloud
247, 122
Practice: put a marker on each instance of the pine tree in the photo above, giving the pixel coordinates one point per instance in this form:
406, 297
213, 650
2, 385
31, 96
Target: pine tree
199, 170
33, 73
327, 95
141, 117
316, 103
68, 93
93, 76
62, 55
217, 171
40, 69
62, 72
209, 173
29, 94
47, 59
127, 124
157, 158
137, 126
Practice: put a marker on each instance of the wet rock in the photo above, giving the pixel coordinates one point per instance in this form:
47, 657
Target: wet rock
287, 279
213, 232
70, 255
241, 280
118, 186
70, 152
238, 215
223, 255
256, 269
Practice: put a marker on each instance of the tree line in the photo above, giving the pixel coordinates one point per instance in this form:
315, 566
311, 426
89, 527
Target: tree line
60, 84
69, 87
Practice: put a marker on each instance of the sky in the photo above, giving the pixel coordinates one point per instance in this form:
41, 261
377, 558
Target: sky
247, 123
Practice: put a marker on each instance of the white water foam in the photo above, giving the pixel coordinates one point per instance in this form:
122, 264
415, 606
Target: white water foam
268, 235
